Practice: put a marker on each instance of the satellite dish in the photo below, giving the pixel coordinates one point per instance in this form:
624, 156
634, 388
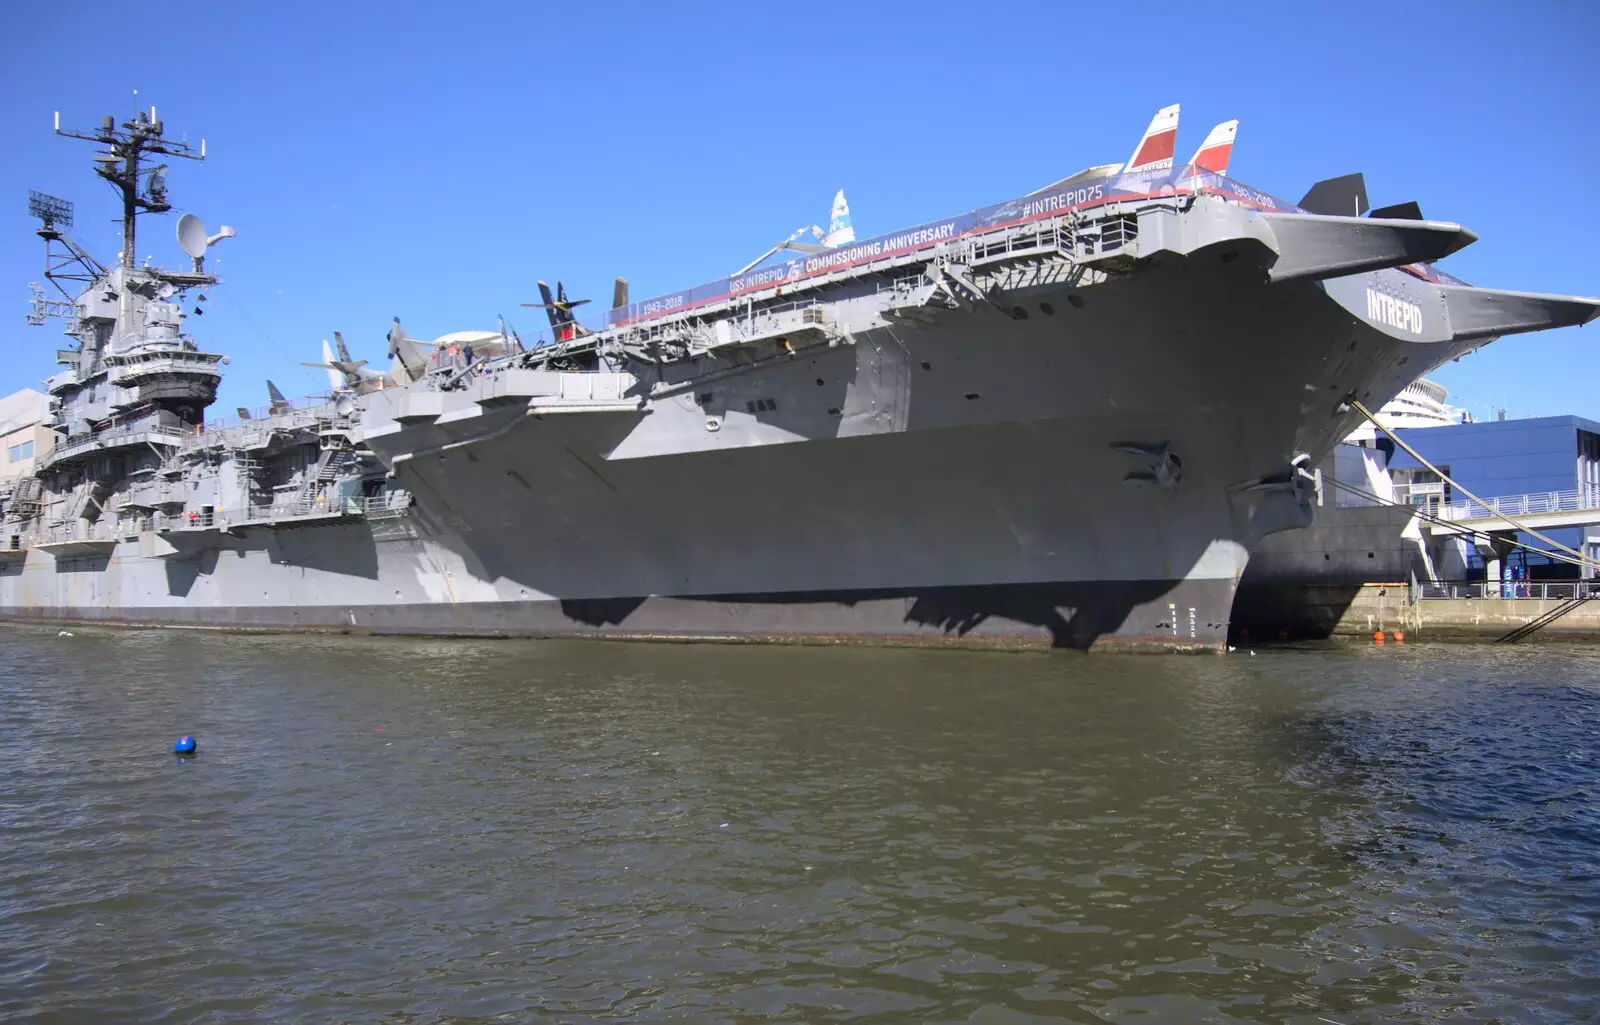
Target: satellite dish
192, 236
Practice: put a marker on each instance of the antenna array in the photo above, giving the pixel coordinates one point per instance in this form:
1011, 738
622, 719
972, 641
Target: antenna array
125, 147
55, 212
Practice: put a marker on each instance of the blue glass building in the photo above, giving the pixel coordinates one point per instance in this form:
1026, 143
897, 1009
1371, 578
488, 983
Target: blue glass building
1543, 456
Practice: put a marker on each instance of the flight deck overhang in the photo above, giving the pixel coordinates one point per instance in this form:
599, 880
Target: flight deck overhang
534, 391
78, 546
1483, 313
1316, 246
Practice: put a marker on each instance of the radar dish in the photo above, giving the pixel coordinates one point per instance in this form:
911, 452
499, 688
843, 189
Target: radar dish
192, 236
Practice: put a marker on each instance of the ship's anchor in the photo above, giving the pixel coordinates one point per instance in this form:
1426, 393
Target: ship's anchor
1164, 469
1296, 479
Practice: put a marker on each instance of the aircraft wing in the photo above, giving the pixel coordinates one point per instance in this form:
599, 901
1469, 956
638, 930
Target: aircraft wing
1087, 174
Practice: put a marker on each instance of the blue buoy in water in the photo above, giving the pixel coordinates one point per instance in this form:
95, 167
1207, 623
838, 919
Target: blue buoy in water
184, 746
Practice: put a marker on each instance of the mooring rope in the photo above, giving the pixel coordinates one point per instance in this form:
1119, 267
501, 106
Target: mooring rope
1355, 404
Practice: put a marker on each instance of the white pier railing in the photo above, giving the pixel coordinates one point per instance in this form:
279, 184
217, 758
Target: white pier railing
1531, 504
1543, 590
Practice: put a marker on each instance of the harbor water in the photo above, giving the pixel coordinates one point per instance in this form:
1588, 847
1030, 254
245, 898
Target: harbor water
393, 830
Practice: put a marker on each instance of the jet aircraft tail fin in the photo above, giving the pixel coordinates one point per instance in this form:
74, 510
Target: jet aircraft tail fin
1155, 149
841, 230
407, 352
555, 313
1214, 152
344, 350
335, 379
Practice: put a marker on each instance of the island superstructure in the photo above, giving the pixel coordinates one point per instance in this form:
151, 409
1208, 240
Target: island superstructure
1062, 420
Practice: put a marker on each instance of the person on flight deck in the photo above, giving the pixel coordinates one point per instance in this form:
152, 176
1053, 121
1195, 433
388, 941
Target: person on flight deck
466, 353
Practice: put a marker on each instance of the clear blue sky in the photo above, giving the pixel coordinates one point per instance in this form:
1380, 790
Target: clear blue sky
433, 160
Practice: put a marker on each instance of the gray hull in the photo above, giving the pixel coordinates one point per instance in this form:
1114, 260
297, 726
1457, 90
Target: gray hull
961, 481
1106, 617
759, 543
1068, 448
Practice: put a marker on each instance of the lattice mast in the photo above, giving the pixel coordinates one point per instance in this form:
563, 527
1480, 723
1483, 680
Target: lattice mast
121, 162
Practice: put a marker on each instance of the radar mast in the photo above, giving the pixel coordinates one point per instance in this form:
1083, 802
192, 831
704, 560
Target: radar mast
121, 162
134, 365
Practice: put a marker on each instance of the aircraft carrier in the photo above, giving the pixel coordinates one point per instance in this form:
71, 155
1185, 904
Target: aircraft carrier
1062, 420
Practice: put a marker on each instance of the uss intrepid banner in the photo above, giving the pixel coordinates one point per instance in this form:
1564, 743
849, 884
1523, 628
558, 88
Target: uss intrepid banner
1049, 203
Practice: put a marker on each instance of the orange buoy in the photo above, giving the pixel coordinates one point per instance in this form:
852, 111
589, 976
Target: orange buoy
1399, 637
1377, 638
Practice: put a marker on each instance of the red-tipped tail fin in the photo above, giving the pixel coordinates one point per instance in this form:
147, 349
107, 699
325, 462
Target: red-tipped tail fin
1213, 154
1154, 152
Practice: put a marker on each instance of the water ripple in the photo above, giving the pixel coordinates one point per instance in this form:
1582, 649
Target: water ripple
420, 831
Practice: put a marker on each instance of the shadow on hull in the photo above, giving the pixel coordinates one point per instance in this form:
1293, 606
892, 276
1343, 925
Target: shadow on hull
1289, 612
1066, 615
1133, 616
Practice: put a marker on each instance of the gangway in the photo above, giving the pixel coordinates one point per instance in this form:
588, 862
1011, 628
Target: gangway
1542, 510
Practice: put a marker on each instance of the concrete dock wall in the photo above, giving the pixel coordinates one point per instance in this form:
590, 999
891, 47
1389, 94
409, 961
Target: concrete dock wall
1296, 612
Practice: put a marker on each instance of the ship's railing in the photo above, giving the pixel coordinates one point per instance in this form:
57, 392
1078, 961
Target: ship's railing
127, 368
1048, 236
196, 520
301, 509
80, 530
277, 512
903, 283
768, 318
150, 492
75, 442
386, 505
1111, 230
301, 412
1541, 590
359, 505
